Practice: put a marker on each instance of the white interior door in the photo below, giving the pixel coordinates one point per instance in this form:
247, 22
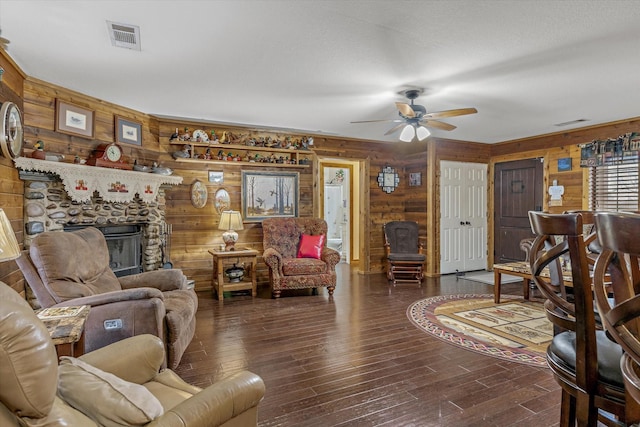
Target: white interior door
463, 217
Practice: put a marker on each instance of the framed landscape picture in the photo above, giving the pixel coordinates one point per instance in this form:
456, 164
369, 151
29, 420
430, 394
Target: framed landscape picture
74, 120
269, 194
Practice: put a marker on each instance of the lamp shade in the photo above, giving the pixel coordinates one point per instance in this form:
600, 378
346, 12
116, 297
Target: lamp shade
9, 248
230, 220
407, 133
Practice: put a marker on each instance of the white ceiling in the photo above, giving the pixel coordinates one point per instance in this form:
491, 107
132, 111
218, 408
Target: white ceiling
316, 66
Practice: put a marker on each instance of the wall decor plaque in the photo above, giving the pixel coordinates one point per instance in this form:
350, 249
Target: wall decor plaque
199, 194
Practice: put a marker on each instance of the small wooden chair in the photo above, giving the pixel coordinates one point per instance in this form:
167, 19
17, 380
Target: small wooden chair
618, 237
405, 260
583, 360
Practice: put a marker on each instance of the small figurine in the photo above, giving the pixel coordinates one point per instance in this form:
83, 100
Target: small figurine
174, 135
186, 136
185, 153
39, 153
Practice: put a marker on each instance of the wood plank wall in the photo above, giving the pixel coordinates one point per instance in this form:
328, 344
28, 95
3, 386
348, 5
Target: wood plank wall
552, 147
11, 187
195, 230
382, 207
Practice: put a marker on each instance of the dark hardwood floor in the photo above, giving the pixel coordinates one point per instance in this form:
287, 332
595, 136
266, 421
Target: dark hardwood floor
355, 359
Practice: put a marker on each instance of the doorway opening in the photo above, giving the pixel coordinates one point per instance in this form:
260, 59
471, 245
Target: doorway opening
339, 183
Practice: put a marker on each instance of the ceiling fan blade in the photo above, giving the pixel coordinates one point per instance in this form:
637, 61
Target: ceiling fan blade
405, 109
450, 113
437, 124
395, 128
376, 121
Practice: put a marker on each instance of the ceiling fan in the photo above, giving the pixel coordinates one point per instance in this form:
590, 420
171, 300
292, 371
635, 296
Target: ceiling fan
415, 119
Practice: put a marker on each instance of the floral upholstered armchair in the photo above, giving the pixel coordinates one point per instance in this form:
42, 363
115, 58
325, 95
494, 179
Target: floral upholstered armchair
296, 252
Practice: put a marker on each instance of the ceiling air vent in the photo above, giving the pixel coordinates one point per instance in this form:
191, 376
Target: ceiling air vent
124, 35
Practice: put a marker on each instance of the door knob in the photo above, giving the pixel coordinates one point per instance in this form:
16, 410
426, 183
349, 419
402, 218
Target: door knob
461, 222
467, 223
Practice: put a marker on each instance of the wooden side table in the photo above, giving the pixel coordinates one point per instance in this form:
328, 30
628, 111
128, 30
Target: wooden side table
223, 258
66, 328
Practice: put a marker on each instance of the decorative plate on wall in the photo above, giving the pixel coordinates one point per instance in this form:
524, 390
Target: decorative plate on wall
388, 179
222, 201
198, 194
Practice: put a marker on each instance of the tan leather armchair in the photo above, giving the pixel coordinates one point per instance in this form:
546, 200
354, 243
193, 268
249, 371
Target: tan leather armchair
72, 268
281, 240
35, 391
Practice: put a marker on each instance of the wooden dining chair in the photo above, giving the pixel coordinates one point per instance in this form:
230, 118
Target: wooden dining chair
617, 290
583, 360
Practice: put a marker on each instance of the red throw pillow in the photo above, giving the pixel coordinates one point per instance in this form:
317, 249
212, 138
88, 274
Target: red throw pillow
311, 246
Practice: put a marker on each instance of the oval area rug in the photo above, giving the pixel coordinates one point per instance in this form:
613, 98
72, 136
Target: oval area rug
513, 330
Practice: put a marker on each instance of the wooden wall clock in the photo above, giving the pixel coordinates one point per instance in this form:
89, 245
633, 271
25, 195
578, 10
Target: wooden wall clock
109, 156
388, 179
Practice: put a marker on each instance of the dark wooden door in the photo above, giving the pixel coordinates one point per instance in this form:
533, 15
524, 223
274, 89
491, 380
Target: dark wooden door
518, 190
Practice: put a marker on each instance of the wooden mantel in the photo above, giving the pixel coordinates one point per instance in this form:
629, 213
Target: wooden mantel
113, 185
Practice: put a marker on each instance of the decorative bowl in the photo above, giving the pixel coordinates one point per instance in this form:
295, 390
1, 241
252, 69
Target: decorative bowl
235, 273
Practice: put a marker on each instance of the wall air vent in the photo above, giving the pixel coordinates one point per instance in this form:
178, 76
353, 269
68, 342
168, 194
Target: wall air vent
571, 122
124, 35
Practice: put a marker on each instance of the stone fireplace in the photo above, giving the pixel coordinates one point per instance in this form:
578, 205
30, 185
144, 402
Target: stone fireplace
61, 196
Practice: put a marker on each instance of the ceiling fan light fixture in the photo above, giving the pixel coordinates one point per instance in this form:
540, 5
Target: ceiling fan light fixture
407, 133
422, 133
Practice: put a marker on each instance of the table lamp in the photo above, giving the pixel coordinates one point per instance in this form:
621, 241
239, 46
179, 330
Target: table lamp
9, 248
230, 221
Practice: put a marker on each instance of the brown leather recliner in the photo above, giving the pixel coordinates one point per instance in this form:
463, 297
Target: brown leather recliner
35, 391
72, 268
281, 240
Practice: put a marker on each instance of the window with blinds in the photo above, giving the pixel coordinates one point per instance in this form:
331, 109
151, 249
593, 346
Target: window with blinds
614, 187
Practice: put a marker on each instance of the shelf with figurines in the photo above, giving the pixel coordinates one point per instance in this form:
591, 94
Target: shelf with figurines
198, 147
